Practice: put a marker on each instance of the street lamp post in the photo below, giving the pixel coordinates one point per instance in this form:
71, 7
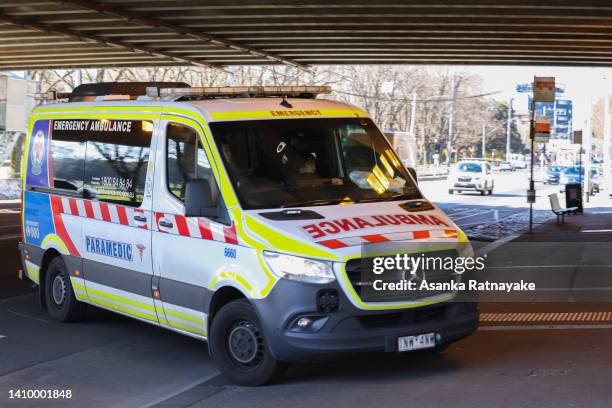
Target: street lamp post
508, 129
484, 153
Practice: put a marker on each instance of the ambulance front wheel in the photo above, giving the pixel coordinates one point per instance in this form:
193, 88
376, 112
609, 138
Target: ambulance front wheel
59, 295
239, 347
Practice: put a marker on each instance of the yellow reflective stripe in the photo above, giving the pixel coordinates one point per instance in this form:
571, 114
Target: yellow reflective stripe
188, 328
183, 316
280, 241
33, 271
108, 304
71, 108
267, 114
125, 310
54, 238
234, 276
366, 306
114, 297
126, 116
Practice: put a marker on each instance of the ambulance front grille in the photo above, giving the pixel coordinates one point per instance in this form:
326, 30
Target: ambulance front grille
359, 274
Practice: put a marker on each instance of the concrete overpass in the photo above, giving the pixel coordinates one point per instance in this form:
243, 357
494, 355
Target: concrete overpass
38, 34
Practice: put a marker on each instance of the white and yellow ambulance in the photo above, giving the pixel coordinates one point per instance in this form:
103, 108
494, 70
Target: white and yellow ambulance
236, 215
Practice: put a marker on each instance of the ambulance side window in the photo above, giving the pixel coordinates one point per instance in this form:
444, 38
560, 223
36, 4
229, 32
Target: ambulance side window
68, 160
185, 160
116, 164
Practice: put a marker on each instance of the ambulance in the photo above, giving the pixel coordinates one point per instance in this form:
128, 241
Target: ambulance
241, 216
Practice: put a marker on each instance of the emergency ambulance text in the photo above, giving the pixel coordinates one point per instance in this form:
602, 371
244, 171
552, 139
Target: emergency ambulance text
338, 226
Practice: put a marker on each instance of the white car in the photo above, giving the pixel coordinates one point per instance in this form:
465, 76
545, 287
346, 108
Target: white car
471, 175
519, 164
505, 166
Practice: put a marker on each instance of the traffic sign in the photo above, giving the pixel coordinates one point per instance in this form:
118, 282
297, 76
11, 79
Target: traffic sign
531, 196
544, 89
578, 136
542, 129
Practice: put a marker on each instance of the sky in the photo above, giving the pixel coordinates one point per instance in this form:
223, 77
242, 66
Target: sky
582, 85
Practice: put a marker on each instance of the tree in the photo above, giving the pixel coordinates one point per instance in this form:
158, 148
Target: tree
497, 139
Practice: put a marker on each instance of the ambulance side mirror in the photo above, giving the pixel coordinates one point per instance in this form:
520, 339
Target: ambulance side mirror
199, 199
413, 173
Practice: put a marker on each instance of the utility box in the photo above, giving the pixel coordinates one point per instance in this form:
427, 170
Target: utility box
573, 196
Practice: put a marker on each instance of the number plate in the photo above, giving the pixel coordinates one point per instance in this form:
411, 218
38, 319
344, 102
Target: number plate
420, 341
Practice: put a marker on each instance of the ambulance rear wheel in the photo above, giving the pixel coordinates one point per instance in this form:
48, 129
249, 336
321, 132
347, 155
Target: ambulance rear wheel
59, 295
239, 346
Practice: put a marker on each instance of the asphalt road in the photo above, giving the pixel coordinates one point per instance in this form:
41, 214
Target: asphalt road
109, 360
470, 209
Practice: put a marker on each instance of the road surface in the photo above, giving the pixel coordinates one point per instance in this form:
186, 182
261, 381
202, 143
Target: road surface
109, 360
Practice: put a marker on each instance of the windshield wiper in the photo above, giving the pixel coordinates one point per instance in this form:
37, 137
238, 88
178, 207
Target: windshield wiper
312, 202
398, 196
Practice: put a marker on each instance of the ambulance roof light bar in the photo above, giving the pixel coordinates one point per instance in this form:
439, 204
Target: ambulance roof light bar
306, 92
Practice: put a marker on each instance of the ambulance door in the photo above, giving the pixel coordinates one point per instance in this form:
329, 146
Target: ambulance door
186, 250
117, 226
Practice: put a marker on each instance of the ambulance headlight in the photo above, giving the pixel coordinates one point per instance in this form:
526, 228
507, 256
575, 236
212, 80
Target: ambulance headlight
299, 269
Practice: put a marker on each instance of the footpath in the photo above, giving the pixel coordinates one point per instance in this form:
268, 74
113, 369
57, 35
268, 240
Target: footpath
570, 264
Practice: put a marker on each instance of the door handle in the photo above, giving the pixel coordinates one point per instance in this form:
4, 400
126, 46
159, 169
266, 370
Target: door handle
140, 218
165, 223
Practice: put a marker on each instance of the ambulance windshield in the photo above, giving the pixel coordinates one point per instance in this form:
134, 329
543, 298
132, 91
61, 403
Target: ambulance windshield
306, 162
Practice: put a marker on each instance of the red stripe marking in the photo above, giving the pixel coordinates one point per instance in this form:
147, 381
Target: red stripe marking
375, 238
56, 204
60, 229
74, 209
450, 234
205, 231
230, 234
123, 219
181, 223
105, 212
333, 243
88, 209
420, 234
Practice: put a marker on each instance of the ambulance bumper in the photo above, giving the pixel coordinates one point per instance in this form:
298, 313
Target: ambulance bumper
349, 329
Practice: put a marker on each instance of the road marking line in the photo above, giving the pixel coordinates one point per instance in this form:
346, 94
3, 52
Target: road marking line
495, 244
2, 337
547, 327
181, 390
473, 215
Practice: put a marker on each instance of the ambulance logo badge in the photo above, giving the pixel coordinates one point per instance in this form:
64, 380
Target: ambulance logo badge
141, 249
38, 152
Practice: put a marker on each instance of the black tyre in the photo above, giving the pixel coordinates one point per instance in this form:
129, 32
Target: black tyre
482, 192
239, 347
59, 295
450, 191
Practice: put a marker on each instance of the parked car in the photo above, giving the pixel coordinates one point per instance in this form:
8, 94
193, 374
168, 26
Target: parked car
505, 166
471, 175
552, 174
519, 163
